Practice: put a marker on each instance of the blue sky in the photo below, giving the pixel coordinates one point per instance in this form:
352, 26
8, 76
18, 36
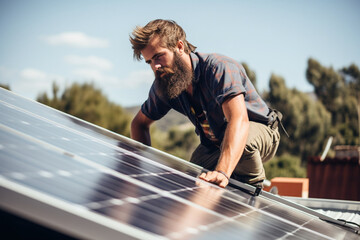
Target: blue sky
87, 40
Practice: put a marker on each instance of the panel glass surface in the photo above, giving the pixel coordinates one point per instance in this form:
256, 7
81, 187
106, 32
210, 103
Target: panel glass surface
108, 175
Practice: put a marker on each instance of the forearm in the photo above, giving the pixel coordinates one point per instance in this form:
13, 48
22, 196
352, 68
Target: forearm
234, 141
141, 134
140, 128
233, 144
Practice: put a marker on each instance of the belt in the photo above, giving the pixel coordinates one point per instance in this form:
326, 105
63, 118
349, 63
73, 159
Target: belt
276, 117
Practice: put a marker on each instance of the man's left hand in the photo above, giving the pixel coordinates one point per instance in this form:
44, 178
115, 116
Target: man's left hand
215, 177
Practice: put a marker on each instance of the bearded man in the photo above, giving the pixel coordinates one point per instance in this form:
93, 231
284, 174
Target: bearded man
238, 131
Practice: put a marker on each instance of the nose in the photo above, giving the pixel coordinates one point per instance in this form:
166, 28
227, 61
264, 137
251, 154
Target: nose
157, 66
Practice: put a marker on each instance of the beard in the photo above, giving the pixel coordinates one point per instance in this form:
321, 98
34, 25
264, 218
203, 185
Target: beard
173, 81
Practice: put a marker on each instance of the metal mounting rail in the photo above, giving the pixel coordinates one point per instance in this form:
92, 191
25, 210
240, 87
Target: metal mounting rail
253, 191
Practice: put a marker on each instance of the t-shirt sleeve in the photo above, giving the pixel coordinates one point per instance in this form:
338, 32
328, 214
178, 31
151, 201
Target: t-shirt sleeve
154, 107
227, 79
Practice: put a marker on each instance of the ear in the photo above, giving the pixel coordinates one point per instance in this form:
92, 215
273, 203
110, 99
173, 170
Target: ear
180, 48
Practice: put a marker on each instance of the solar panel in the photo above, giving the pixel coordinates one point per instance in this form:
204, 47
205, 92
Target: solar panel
87, 182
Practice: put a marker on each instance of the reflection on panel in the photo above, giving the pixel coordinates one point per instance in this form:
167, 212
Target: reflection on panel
109, 179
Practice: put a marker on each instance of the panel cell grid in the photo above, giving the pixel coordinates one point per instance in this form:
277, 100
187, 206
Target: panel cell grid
123, 187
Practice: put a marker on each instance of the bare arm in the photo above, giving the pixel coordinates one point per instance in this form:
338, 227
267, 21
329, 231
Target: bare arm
234, 140
140, 126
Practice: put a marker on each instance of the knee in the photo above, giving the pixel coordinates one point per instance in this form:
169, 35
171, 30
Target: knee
250, 163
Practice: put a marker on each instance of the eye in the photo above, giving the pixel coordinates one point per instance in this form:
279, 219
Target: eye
159, 56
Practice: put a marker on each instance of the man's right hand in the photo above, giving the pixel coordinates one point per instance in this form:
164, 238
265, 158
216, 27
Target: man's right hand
215, 177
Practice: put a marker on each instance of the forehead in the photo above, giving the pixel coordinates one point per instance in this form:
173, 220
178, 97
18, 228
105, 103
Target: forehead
154, 46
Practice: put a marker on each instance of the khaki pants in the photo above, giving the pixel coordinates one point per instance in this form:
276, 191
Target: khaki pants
260, 147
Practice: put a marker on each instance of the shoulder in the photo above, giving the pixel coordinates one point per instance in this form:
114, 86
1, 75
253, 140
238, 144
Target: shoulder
156, 105
219, 65
156, 93
215, 59
156, 98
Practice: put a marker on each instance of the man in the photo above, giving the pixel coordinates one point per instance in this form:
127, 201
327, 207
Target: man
238, 132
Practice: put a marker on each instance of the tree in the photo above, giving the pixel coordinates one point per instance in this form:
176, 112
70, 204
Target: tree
339, 92
352, 78
87, 102
306, 119
351, 75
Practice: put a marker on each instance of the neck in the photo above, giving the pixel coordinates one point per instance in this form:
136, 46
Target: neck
189, 90
187, 61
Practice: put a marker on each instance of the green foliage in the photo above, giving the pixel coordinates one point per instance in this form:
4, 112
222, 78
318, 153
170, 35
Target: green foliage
284, 166
339, 91
352, 79
306, 120
87, 102
329, 86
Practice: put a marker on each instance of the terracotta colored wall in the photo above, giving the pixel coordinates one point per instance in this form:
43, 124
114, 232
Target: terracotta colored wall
334, 178
292, 187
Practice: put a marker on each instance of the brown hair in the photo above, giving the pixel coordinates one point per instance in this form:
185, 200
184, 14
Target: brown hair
168, 31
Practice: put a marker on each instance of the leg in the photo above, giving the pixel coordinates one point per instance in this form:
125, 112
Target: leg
261, 146
205, 156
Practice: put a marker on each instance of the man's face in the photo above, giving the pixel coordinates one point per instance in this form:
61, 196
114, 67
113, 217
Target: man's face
171, 72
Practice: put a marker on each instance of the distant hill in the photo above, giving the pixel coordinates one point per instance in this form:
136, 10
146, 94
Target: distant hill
171, 119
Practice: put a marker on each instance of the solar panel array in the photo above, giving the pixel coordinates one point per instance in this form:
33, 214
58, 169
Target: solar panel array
87, 182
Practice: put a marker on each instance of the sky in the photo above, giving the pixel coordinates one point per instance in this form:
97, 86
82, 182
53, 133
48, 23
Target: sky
69, 41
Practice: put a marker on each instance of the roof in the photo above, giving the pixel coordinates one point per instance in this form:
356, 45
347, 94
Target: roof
342, 210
